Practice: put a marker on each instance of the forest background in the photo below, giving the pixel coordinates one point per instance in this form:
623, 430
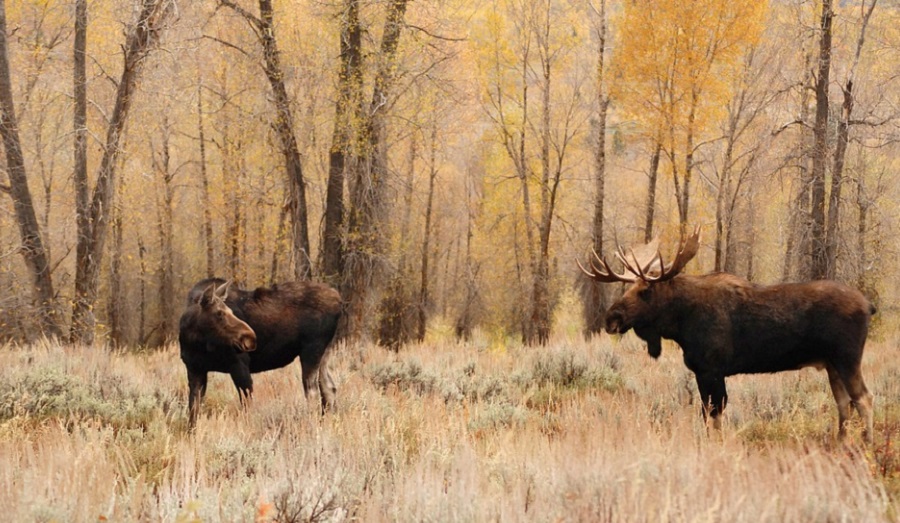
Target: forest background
442, 163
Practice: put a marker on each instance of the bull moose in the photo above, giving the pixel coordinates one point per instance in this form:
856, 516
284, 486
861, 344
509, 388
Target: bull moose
240, 332
726, 325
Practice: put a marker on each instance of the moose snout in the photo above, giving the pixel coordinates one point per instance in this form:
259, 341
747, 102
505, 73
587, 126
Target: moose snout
247, 342
615, 323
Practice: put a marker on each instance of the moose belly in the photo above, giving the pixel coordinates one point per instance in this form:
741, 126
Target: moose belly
269, 358
766, 360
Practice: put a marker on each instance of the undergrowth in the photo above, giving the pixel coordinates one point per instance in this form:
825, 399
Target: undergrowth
574, 431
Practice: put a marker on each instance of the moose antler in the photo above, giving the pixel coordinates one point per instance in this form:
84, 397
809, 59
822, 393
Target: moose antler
641, 260
600, 271
650, 268
686, 252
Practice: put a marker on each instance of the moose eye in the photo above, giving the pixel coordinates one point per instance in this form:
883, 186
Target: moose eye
644, 294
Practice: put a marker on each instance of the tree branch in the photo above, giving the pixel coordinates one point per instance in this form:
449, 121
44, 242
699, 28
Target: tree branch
785, 126
436, 36
227, 44
252, 19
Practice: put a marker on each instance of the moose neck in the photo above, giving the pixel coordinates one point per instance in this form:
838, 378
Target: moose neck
670, 300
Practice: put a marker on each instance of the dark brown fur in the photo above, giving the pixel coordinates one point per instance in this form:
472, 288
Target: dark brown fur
726, 325
291, 320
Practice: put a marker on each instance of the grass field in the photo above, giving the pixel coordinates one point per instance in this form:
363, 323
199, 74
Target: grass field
485, 431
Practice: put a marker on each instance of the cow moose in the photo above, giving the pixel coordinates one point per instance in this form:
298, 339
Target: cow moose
726, 325
240, 332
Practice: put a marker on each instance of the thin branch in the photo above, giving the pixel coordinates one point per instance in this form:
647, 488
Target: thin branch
227, 44
247, 15
789, 124
436, 36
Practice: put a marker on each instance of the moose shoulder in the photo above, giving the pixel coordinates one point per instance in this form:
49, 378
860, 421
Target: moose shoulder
240, 332
726, 325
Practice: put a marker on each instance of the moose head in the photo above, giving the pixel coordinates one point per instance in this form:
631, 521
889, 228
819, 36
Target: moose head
646, 304
214, 321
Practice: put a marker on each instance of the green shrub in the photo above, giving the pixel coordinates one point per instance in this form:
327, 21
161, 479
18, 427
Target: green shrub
498, 415
405, 375
51, 393
570, 369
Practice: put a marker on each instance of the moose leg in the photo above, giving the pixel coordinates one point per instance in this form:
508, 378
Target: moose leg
196, 391
841, 397
714, 397
862, 400
327, 388
314, 362
240, 375
310, 378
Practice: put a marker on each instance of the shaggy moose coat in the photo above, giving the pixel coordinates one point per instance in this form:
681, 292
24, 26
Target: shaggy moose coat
290, 320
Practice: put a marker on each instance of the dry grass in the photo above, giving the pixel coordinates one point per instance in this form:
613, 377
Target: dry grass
440, 432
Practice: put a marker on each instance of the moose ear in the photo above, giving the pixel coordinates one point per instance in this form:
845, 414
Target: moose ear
221, 291
206, 297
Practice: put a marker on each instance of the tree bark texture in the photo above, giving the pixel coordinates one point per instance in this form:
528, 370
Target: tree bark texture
116, 306
348, 110
33, 250
797, 253
365, 243
422, 317
594, 301
651, 192
165, 224
832, 233
204, 181
820, 262
284, 127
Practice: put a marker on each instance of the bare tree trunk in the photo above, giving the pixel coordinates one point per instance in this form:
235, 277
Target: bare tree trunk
279, 240
33, 250
840, 151
797, 260
397, 310
541, 315
234, 198
365, 246
820, 261
166, 232
80, 168
142, 292
348, 110
651, 191
204, 180
803, 207
725, 193
751, 237
422, 316
832, 230
862, 226
684, 202
409, 190
465, 322
594, 301
115, 306
284, 127
142, 37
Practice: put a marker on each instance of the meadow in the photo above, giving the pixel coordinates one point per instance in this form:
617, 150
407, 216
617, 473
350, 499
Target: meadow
488, 430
